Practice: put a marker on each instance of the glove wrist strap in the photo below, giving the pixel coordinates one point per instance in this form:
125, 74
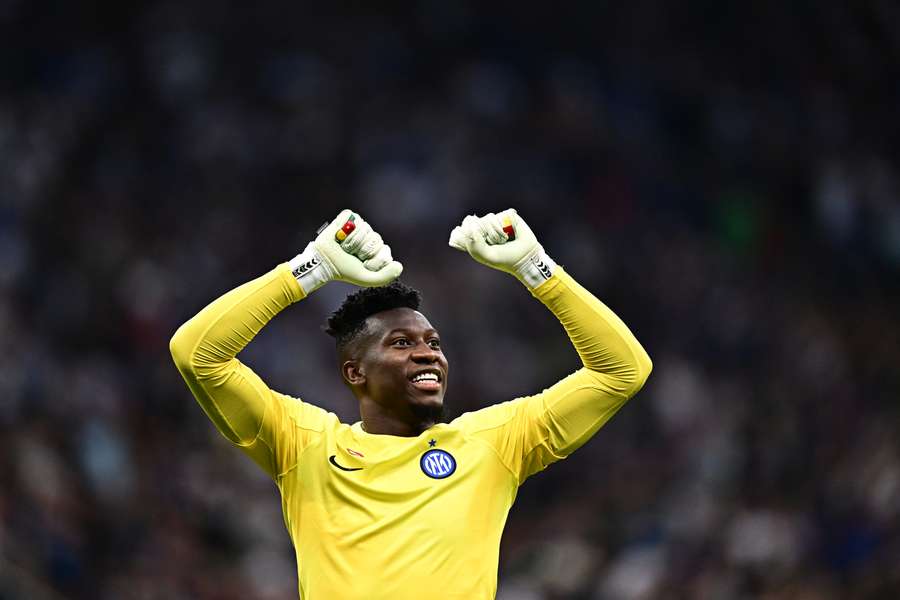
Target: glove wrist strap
311, 269
535, 269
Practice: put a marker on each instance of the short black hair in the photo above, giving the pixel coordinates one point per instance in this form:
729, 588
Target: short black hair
348, 321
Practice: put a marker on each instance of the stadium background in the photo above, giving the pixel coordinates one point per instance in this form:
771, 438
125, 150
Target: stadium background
723, 175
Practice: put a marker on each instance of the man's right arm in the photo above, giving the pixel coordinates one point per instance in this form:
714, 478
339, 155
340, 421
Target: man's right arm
271, 427
237, 401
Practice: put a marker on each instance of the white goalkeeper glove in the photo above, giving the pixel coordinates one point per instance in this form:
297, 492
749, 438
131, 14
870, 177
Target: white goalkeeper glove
504, 241
347, 249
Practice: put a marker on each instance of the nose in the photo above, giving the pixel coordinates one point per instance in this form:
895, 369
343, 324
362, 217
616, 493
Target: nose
425, 354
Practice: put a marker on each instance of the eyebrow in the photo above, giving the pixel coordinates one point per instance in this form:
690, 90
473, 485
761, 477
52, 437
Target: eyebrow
405, 330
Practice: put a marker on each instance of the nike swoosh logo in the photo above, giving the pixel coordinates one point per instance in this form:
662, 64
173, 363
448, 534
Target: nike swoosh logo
334, 462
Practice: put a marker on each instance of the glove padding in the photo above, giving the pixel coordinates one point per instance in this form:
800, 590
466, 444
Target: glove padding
361, 258
504, 241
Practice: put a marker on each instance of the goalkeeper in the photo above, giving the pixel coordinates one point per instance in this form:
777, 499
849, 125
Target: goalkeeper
401, 506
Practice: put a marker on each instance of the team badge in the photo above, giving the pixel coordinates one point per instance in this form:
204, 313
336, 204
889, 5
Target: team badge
438, 464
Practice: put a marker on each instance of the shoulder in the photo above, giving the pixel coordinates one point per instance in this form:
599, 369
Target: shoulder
490, 417
309, 416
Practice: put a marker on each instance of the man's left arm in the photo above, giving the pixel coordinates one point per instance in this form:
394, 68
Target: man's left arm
615, 365
530, 433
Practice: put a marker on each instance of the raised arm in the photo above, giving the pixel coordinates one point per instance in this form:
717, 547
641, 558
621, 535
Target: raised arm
530, 433
271, 427
615, 365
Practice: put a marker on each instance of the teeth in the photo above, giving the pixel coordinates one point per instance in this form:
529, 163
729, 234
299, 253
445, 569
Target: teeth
425, 377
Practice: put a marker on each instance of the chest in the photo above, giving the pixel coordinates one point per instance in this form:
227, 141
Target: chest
425, 484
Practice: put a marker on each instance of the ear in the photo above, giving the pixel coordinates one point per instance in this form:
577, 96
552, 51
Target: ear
353, 373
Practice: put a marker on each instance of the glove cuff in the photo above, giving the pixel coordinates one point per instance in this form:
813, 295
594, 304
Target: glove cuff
311, 269
535, 269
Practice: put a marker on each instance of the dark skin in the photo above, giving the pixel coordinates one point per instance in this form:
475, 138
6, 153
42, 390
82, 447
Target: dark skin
379, 366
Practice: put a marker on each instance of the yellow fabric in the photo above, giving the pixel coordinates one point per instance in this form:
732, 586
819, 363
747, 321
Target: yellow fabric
388, 530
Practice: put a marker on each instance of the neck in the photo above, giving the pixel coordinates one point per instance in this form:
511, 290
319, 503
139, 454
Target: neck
376, 419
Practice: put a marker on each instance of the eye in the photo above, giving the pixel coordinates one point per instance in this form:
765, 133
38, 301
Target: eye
400, 342
435, 343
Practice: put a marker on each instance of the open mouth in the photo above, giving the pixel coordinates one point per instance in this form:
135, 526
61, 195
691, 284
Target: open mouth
427, 379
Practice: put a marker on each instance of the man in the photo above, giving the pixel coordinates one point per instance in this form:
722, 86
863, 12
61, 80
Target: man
399, 506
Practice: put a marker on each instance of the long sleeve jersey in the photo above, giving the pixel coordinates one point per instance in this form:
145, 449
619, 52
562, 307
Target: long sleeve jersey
386, 517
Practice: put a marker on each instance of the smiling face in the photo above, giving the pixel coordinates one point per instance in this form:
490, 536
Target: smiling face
398, 364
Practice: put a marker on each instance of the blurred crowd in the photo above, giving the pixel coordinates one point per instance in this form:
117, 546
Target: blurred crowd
723, 175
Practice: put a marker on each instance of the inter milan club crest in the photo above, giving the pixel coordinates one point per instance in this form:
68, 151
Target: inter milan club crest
438, 464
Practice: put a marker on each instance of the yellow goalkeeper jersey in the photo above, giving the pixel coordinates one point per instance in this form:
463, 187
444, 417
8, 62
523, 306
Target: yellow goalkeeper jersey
378, 517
